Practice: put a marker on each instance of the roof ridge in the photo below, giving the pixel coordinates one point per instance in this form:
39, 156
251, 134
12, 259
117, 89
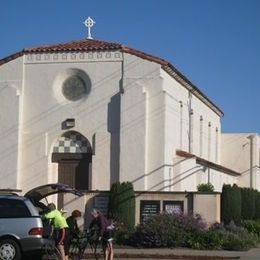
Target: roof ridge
75, 45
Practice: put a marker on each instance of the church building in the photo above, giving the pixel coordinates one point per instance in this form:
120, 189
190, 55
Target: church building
90, 113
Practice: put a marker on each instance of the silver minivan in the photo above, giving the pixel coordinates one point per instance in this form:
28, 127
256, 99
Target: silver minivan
21, 227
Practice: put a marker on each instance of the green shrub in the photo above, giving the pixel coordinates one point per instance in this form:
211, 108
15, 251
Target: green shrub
247, 203
238, 238
121, 206
122, 234
175, 230
234, 237
230, 237
211, 240
257, 205
237, 242
205, 187
252, 226
168, 230
231, 204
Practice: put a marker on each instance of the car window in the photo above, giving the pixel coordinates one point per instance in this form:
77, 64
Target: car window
11, 208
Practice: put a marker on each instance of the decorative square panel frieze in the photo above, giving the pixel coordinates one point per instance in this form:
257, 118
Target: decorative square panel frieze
38, 56
47, 56
73, 56
117, 55
82, 56
64, 56
99, 55
108, 55
90, 55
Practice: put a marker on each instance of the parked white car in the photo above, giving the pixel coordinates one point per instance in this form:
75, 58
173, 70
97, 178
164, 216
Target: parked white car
21, 227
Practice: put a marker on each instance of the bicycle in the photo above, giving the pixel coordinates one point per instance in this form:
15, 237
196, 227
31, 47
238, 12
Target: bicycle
49, 250
81, 242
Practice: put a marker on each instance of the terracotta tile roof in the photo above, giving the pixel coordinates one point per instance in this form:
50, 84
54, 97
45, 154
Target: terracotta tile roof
85, 45
96, 45
82, 45
207, 163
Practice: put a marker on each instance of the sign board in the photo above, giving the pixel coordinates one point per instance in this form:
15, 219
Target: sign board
173, 206
149, 208
101, 204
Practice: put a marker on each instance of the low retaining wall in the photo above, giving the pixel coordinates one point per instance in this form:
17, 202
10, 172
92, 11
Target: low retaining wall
150, 203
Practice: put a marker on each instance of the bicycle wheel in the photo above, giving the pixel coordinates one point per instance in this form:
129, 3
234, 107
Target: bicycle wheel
93, 247
74, 252
51, 253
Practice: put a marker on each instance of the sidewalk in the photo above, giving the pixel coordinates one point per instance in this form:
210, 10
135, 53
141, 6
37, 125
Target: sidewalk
181, 253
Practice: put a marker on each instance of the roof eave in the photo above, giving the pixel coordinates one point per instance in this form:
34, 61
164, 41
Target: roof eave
207, 163
177, 75
172, 71
11, 57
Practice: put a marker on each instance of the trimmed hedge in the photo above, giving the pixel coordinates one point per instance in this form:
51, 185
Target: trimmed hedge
239, 204
231, 204
247, 203
257, 205
121, 206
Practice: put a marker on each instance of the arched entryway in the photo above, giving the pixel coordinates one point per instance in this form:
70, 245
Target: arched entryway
73, 153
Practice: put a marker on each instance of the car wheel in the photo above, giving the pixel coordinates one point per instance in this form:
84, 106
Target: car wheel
9, 250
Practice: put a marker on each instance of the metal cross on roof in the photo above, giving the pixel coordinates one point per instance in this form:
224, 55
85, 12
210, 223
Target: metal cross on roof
89, 23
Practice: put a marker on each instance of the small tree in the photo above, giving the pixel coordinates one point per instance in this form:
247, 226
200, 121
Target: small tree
205, 187
231, 204
121, 204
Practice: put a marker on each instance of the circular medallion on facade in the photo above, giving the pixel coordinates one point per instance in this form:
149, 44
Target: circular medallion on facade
74, 88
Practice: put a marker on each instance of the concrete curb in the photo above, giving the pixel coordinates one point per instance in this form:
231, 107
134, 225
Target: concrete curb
164, 256
177, 253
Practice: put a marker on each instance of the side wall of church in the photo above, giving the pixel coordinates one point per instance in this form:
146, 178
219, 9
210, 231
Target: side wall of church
193, 127
10, 115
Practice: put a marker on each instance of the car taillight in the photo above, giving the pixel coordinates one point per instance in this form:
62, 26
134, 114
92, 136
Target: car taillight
36, 231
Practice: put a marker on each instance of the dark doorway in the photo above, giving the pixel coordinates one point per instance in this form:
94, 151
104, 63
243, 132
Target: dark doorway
82, 173
74, 170
75, 173
73, 153
66, 172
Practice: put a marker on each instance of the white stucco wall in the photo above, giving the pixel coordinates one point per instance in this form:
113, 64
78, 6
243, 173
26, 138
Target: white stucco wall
204, 141
10, 105
135, 117
141, 119
208, 206
45, 109
236, 154
176, 93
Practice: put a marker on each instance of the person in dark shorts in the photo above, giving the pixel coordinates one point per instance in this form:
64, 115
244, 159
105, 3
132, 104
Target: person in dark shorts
60, 226
105, 232
73, 230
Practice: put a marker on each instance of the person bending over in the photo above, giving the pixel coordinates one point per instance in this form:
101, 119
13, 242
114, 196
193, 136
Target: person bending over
105, 229
60, 226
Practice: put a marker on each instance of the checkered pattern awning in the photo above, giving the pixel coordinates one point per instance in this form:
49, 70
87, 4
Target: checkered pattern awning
72, 142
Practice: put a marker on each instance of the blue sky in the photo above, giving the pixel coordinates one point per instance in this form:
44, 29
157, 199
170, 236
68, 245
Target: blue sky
215, 43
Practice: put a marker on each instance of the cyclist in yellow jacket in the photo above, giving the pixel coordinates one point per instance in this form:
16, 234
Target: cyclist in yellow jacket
60, 225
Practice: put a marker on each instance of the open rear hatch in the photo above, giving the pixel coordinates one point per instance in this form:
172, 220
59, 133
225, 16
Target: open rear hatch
41, 192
